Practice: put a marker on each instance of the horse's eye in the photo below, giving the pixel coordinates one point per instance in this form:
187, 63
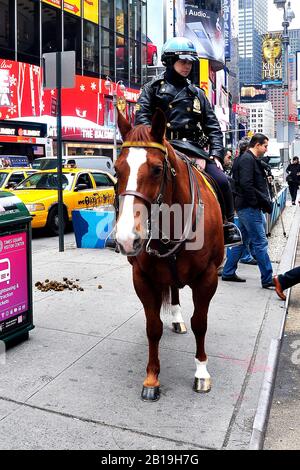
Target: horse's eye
156, 170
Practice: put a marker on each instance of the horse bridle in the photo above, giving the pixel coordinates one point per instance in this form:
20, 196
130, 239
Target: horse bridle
159, 198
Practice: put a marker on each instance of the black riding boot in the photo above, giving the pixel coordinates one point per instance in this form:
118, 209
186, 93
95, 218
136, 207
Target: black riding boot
232, 234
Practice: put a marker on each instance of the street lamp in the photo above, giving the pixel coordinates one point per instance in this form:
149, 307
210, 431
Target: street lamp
113, 88
288, 16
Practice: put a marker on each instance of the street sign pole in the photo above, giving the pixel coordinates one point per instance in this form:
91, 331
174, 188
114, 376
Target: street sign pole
59, 154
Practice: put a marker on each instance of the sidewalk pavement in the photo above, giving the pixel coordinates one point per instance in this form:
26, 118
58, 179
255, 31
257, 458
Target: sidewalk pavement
76, 383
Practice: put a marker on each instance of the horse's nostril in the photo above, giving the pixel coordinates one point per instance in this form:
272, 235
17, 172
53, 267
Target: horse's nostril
137, 242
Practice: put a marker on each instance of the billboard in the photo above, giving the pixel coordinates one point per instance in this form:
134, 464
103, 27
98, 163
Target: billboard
253, 94
272, 59
227, 28
205, 28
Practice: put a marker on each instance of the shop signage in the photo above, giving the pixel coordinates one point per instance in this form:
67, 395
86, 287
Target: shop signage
13, 276
4, 88
90, 10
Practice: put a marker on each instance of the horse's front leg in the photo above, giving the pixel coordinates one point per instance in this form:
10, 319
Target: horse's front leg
151, 299
177, 320
203, 290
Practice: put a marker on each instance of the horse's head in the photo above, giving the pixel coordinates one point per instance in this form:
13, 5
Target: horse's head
141, 172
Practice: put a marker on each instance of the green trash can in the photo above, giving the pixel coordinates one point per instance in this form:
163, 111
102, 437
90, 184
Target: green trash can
15, 270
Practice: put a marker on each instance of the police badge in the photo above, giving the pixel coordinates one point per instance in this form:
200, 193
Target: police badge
197, 106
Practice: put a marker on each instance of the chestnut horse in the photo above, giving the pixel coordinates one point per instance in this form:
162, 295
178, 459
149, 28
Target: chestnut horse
150, 174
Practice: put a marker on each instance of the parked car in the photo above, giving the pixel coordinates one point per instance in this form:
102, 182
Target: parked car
11, 177
81, 189
98, 163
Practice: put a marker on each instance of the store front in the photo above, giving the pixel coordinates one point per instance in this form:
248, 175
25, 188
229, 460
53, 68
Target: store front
24, 138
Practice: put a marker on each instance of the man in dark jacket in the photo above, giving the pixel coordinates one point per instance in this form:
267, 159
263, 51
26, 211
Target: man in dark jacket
251, 201
293, 171
191, 123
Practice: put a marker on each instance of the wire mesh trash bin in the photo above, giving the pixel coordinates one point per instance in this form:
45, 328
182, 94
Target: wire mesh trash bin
16, 318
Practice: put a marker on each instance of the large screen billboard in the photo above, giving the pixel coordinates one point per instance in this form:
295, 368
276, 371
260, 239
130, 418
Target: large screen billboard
253, 93
272, 59
205, 28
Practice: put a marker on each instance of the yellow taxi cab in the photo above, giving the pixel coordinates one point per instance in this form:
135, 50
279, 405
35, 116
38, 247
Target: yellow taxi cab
11, 177
81, 189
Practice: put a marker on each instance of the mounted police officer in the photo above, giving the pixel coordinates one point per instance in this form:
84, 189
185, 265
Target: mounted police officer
191, 122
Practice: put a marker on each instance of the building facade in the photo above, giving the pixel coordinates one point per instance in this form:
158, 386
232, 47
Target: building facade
252, 24
261, 118
109, 38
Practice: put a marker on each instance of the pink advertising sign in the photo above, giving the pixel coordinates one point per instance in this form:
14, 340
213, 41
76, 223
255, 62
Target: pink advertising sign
13, 276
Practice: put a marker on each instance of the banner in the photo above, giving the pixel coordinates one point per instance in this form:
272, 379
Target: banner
272, 59
298, 76
73, 6
205, 29
204, 75
54, 3
227, 28
293, 113
91, 10
253, 93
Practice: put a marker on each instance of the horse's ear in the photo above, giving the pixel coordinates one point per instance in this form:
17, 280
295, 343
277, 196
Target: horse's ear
158, 128
123, 125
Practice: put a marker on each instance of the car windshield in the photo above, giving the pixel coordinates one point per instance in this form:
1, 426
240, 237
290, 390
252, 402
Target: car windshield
3, 178
46, 181
274, 162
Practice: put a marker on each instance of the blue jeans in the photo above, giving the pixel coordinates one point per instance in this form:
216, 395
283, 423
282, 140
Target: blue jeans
252, 226
246, 254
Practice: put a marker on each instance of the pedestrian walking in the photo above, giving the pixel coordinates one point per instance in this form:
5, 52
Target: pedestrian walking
293, 178
192, 125
251, 201
286, 280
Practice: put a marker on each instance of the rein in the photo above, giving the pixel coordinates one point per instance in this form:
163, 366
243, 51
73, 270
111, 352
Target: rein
193, 182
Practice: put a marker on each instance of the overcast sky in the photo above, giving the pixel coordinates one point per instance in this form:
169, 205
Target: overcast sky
276, 16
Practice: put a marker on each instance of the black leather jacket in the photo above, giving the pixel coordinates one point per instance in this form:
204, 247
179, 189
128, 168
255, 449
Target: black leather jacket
251, 186
191, 122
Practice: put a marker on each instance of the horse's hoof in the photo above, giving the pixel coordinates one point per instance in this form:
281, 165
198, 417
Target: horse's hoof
150, 393
202, 385
179, 328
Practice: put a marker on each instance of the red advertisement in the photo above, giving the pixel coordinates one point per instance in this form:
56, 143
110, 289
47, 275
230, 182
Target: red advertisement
13, 276
22, 97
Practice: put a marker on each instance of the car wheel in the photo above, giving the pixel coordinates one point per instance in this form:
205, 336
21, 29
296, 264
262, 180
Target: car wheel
154, 59
52, 221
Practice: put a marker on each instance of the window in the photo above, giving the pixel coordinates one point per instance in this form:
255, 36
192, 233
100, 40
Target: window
84, 178
102, 180
16, 178
7, 27
72, 38
107, 14
90, 48
51, 29
28, 31
107, 53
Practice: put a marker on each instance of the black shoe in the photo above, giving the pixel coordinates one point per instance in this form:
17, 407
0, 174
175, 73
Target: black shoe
233, 278
232, 235
268, 285
253, 262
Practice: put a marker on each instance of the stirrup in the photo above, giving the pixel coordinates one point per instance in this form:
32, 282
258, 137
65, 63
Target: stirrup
232, 235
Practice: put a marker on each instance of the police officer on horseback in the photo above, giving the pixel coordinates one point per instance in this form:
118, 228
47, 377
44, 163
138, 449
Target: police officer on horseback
191, 123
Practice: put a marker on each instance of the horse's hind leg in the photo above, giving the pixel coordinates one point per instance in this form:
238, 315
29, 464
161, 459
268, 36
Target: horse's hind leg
203, 290
151, 300
177, 320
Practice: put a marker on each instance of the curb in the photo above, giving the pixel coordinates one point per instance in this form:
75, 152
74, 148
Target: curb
267, 388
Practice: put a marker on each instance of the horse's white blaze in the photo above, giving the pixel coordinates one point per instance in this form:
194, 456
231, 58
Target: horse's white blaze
176, 314
125, 230
201, 372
